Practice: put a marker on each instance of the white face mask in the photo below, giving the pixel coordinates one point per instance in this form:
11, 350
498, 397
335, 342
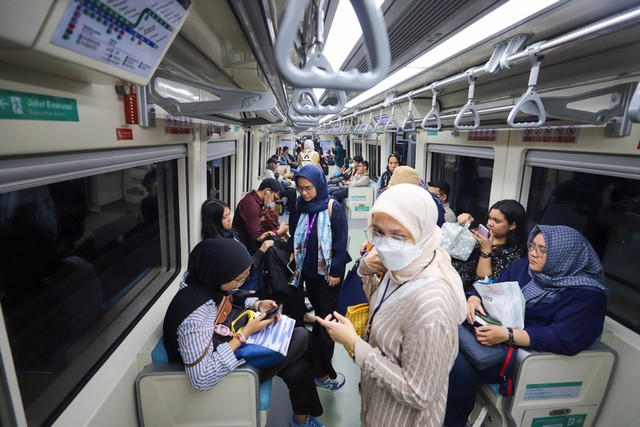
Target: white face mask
395, 259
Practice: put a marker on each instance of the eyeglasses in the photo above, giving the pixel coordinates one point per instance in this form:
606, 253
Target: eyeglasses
540, 250
396, 241
307, 189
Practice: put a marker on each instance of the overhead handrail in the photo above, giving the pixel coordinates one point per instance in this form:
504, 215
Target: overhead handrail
392, 121
469, 107
231, 100
305, 101
409, 119
530, 101
374, 31
434, 113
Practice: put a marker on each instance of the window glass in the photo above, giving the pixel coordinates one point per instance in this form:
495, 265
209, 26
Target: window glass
219, 180
606, 210
373, 157
470, 181
357, 148
86, 257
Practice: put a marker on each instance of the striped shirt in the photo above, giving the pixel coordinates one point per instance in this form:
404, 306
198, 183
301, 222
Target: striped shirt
194, 334
405, 366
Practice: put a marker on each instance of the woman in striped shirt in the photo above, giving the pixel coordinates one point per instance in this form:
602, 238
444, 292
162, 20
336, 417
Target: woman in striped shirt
217, 267
412, 337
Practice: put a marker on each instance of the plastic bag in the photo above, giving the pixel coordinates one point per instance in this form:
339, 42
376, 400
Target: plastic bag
503, 301
457, 240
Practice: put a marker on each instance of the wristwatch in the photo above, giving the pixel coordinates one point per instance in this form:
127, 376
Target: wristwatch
510, 340
485, 254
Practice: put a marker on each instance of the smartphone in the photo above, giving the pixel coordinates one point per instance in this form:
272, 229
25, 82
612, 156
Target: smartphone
273, 312
291, 265
482, 230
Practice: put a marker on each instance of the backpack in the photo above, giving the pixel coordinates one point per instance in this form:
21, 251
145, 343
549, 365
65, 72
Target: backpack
306, 159
275, 273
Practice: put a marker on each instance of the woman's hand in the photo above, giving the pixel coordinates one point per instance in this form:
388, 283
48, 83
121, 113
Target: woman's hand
266, 245
256, 325
365, 247
283, 229
265, 235
491, 334
485, 243
373, 261
265, 305
340, 330
474, 303
465, 218
333, 281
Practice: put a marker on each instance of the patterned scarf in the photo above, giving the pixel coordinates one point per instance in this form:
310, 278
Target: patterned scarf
306, 222
571, 263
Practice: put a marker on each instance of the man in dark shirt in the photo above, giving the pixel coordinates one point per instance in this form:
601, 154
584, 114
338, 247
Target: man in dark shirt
246, 220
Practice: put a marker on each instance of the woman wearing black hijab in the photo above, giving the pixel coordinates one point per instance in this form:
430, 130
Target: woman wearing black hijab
218, 267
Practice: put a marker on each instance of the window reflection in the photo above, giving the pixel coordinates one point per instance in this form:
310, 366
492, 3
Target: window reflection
470, 181
75, 254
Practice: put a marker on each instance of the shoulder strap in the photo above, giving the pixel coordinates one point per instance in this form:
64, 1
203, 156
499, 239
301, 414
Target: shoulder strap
223, 310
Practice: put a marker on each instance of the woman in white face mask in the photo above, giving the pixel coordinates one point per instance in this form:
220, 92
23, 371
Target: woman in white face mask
412, 338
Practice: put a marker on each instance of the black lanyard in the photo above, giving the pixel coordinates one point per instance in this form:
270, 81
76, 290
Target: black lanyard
386, 297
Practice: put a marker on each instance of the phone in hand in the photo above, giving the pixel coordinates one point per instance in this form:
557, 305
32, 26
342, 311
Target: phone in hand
273, 312
483, 231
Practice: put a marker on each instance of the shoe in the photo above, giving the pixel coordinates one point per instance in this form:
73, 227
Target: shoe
330, 384
311, 422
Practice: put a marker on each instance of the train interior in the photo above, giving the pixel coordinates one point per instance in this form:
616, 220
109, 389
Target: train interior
108, 152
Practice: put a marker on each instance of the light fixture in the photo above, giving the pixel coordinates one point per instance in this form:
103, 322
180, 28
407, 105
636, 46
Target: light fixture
504, 17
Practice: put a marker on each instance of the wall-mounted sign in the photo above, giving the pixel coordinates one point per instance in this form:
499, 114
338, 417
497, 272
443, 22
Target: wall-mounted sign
32, 106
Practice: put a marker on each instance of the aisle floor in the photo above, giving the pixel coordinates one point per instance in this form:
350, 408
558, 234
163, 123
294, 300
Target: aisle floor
341, 407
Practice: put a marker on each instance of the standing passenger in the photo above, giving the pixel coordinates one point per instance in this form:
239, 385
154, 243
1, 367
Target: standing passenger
442, 189
392, 163
319, 246
412, 338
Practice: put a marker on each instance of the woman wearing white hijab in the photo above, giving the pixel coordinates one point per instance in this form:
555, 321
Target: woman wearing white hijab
412, 338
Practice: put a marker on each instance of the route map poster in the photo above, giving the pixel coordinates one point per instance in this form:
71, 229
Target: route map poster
128, 34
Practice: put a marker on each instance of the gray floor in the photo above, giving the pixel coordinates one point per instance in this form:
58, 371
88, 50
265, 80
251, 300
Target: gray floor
341, 407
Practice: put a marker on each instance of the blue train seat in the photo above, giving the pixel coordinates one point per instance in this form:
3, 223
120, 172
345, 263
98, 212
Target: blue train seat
165, 396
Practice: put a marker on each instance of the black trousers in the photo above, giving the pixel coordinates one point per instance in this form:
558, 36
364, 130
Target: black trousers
324, 299
297, 373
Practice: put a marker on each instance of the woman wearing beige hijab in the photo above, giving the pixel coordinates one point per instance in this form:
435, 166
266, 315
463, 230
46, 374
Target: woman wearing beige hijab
412, 338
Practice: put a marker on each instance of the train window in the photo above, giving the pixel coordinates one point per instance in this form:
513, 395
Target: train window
373, 157
357, 148
469, 172
220, 156
600, 197
88, 256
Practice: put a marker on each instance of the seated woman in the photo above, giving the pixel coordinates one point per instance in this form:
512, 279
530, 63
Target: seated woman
217, 267
505, 244
393, 161
566, 303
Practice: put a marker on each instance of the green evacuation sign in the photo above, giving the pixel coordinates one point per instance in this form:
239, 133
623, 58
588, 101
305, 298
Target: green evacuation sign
32, 106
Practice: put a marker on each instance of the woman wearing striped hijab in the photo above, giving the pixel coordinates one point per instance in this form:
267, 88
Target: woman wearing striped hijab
412, 338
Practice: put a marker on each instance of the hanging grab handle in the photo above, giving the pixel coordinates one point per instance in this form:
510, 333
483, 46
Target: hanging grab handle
301, 118
433, 114
371, 125
391, 126
305, 102
374, 31
530, 102
469, 107
409, 119
379, 124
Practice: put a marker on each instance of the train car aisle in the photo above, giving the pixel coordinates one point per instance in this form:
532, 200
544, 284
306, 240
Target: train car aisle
342, 407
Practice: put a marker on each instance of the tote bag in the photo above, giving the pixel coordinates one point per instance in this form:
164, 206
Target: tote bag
351, 292
457, 240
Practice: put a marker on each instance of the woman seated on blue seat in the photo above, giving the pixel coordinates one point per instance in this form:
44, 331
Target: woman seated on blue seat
505, 244
566, 302
218, 267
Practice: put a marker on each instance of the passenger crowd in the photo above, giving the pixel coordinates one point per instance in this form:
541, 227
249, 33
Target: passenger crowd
412, 373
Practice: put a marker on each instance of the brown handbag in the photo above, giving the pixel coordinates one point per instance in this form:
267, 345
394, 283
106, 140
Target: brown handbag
222, 311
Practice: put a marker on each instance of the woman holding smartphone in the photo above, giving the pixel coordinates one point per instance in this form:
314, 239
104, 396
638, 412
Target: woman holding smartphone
501, 242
